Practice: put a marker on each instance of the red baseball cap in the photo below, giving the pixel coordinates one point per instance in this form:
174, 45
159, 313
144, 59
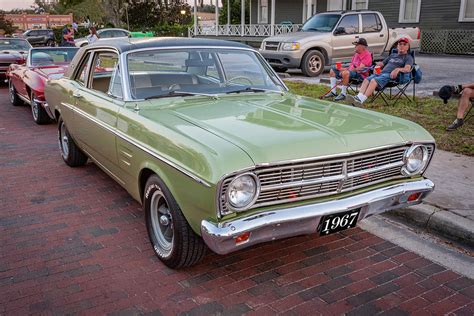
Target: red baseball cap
404, 39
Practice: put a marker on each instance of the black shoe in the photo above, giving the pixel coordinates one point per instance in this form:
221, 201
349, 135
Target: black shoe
330, 95
457, 123
340, 97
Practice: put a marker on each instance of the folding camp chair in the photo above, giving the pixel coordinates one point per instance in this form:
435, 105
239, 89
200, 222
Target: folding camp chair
401, 88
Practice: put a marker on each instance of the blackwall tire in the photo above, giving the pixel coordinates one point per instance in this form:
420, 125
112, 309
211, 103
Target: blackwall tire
173, 240
70, 153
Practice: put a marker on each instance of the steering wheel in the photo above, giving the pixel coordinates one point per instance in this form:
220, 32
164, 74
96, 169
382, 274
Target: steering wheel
240, 77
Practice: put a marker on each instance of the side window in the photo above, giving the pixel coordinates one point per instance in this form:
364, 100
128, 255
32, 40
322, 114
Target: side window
81, 73
120, 34
348, 25
371, 23
104, 64
106, 34
33, 33
115, 88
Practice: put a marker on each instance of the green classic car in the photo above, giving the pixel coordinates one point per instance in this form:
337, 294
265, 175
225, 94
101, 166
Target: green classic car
207, 138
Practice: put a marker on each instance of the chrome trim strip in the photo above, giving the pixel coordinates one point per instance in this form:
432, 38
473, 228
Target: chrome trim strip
376, 169
137, 144
304, 219
302, 183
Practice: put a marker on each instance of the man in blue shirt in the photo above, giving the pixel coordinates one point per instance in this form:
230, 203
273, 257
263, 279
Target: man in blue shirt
395, 66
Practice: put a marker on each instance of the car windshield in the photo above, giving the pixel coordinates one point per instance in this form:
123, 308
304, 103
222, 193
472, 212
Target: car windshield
14, 44
321, 23
194, 71
51, 56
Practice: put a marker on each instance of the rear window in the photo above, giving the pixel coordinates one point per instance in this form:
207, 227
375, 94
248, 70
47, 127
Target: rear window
371, 23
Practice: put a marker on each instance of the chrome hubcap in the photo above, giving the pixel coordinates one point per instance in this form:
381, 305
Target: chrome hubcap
34, 108
314, 63
12, 91
162, 224
63, 141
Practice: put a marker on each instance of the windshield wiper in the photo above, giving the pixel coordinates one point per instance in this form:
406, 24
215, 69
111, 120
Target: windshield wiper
175, 93
250, 89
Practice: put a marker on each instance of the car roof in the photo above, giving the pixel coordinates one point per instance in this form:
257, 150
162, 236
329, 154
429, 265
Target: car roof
112, 29
160, 42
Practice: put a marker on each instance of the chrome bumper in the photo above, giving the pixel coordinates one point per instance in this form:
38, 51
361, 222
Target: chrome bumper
300, 220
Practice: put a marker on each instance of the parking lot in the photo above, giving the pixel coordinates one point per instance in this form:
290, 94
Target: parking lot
73, 241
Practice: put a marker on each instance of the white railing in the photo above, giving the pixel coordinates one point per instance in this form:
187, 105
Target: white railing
257, 30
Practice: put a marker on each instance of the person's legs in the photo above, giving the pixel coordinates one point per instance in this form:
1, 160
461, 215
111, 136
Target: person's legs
345, 81
333, 75
467, 94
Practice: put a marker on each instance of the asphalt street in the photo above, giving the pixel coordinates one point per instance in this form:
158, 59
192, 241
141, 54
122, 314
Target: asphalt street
438, 70
73, 241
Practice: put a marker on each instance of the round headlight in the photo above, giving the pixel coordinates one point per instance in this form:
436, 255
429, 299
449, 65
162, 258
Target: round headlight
242, 191
415, 159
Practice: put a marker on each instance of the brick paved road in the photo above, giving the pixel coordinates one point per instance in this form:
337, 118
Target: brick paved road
72, 240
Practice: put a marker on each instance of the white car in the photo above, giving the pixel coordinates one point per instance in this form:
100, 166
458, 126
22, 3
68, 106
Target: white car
104, 33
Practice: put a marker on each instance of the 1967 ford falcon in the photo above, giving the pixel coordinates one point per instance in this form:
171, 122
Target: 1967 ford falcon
205, 135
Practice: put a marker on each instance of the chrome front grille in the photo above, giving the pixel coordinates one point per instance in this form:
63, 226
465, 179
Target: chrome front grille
295, 181
271, 45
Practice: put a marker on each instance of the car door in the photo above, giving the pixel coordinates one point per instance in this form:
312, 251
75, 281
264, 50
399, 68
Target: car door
373, 32
96, 111
345, 33
32, 37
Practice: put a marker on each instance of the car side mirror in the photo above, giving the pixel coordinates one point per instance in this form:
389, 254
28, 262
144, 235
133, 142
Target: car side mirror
340, 30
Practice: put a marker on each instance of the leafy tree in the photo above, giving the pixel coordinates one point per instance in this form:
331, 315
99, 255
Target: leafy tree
234, 12
142, 14
6, 25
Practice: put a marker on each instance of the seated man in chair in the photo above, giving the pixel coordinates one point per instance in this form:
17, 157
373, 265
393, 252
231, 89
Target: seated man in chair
466, 92
397, 66
357, 69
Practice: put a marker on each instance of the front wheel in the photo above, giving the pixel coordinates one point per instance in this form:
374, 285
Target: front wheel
39, 113
313, 63
71, 154
173, 240
279, 69
14, 99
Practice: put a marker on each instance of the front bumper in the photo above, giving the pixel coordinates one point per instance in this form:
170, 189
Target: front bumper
301, 220
287, 59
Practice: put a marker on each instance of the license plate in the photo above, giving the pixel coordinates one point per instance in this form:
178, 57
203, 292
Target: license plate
336, 222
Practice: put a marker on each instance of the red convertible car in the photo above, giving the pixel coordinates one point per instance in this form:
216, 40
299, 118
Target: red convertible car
12, 51
26, 82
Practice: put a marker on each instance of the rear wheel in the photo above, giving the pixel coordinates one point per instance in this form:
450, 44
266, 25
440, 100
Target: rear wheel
39, 113
14, 99
173, 240
313, 63
71, 154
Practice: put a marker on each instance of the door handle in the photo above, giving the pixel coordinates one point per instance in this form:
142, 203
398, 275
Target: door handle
357, 36
381, 35
77, 95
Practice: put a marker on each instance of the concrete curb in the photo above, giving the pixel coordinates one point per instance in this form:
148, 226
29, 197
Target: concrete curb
440, 221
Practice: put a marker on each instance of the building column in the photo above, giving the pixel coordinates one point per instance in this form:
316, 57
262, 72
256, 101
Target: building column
272, 21
217, 18
258, 11
195, 18
242, 17
303, 15
250, 12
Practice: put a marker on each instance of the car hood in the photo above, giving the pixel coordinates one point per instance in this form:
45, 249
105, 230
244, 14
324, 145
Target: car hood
295, 36
10, 55
271, 127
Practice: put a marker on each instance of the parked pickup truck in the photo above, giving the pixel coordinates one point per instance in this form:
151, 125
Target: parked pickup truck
327, 37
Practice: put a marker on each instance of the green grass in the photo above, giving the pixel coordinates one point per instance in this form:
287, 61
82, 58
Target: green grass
429, 112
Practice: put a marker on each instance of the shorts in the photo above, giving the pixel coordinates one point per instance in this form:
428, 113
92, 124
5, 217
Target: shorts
384, 78
352, 74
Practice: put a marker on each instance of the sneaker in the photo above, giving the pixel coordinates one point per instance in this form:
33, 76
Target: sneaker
340, 97
457, 123
330, 95
356, 101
